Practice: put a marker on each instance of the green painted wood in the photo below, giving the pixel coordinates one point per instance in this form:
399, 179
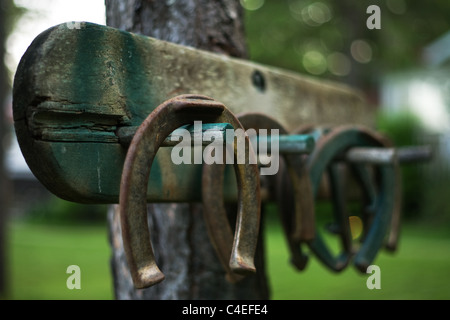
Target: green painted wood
75, 89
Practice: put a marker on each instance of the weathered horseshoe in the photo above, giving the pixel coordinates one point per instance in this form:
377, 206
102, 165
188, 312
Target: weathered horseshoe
159, 124
216, 217
328, 148
298, 220
370, 193
362, 176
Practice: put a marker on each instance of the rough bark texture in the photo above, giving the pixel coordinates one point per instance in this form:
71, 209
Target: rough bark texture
215, 26
180, 241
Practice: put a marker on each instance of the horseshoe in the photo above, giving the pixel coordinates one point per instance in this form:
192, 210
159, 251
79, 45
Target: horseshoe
370, 193
296, 213
163, 120
330, 147
215, 214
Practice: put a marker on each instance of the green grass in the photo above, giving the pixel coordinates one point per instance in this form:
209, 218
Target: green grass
39, 256
420, 269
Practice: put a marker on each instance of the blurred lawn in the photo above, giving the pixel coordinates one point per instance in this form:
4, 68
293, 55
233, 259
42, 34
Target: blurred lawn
420, 269
39, 256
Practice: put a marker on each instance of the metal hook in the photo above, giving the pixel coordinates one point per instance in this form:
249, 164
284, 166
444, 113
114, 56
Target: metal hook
167, 117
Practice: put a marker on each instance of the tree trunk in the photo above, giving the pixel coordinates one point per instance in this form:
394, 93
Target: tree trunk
179, 237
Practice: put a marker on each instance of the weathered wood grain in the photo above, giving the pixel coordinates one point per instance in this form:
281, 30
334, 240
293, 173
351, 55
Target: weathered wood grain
75, 88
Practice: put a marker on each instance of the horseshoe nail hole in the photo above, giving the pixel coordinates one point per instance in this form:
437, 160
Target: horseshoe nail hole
258, 80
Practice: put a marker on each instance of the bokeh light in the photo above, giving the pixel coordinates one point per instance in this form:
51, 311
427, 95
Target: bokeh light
339, 64
361, 51
314, 62
252, 5
396, 6
314, 14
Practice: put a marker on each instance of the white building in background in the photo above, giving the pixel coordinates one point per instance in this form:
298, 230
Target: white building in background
422, 92
425, 92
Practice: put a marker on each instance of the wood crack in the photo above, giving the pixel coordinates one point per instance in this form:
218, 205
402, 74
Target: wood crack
64, 121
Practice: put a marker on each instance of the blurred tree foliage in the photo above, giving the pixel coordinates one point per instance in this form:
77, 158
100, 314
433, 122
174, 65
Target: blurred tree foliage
330, 39
14, 13
425, 186
403, 128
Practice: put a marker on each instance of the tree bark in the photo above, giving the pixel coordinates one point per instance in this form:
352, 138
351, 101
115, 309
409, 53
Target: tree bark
179, 237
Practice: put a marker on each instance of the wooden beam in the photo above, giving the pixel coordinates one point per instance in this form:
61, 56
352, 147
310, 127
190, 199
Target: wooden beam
76, 88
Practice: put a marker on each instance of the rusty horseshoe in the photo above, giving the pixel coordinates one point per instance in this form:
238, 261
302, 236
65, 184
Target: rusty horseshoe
298, 220
163, 120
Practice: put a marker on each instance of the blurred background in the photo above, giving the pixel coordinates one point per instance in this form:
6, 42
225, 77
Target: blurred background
403, 70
